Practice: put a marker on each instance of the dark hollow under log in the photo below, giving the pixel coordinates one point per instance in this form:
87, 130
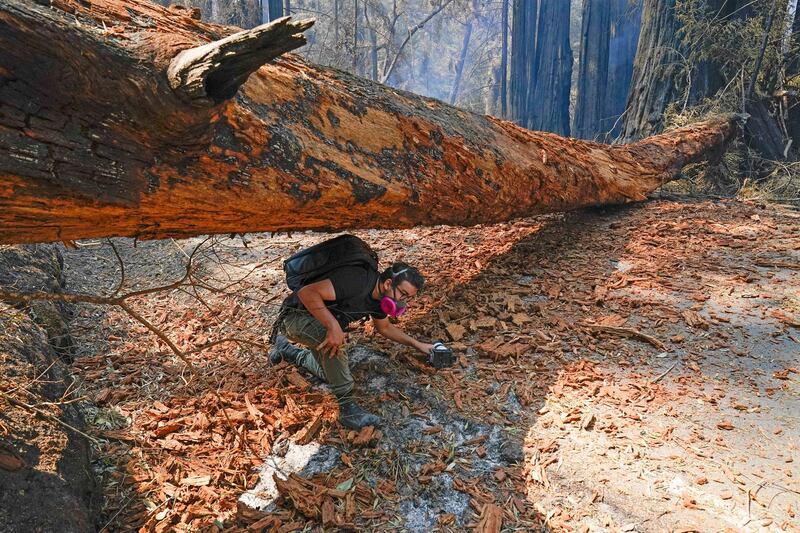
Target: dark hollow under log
97, 140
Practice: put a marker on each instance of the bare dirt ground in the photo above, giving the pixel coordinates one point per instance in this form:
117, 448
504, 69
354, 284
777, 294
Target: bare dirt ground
626, 369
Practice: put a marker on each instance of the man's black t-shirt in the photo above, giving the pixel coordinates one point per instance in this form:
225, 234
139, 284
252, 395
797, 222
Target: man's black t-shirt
353, 286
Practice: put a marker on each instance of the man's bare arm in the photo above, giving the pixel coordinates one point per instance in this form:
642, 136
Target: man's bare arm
392, 332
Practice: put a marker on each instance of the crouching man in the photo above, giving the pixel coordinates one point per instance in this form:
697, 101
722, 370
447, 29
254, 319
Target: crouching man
317, 315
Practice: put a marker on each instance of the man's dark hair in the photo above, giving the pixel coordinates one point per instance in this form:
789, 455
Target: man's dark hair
400, 272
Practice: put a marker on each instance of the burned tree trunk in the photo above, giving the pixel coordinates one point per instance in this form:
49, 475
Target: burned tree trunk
659, 70
275, 9
125, 118
553, 59
666, 71
523, 47
590, 105
609, 33
625, 26
541, 65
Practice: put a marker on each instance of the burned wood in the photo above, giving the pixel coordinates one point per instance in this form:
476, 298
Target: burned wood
117, 151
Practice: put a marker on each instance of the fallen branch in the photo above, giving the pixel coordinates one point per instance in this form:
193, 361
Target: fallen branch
631, 333
664, 373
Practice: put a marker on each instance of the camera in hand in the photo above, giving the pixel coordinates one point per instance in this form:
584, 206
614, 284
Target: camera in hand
440, 356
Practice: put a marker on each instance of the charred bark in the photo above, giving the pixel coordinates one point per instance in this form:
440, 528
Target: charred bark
275, 9
553, 68
504, 62
659, 70
523, 47
120, 149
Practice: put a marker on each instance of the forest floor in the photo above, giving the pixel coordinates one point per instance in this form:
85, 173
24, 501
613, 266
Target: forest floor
620, 369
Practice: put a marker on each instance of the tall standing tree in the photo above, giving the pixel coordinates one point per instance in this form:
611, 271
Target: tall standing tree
462, 59
666, 70
275, 9
658, 72
590, 105
504, 62
541, 65
625, 24
523, 46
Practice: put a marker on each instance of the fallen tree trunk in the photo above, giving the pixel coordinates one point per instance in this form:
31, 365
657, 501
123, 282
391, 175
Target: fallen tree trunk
122, 118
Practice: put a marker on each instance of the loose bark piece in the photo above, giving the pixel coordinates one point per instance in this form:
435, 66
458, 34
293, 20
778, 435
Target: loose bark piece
268, 523
305, 500
364, 436
297, 380
491, 520
309, 432
328, 512
168, 428
115, 151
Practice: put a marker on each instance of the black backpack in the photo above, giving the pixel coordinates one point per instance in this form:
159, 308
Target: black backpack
313, 263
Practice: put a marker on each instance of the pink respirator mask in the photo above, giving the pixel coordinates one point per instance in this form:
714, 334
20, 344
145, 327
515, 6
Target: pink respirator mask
391, 306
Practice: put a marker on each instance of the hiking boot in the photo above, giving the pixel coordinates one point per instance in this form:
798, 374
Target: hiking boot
352, 416
283, 350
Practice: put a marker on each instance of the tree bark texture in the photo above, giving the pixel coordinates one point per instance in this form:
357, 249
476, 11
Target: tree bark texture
793, 59
658, 71
541, 65
550, 98
96, 140
590, 105
504, 62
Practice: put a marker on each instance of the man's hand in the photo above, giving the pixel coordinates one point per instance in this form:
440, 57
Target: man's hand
424, 347
333, 342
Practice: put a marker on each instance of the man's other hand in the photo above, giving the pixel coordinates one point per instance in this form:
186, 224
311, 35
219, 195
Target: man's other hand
333, 342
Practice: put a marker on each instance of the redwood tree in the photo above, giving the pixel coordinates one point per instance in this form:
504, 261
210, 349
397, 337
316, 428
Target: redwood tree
665, 70
590, 105
625, 25
541, 65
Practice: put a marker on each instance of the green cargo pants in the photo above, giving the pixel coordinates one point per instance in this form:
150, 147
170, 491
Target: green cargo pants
301, 327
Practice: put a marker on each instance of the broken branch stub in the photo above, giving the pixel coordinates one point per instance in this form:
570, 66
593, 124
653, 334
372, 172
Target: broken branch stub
213, 72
